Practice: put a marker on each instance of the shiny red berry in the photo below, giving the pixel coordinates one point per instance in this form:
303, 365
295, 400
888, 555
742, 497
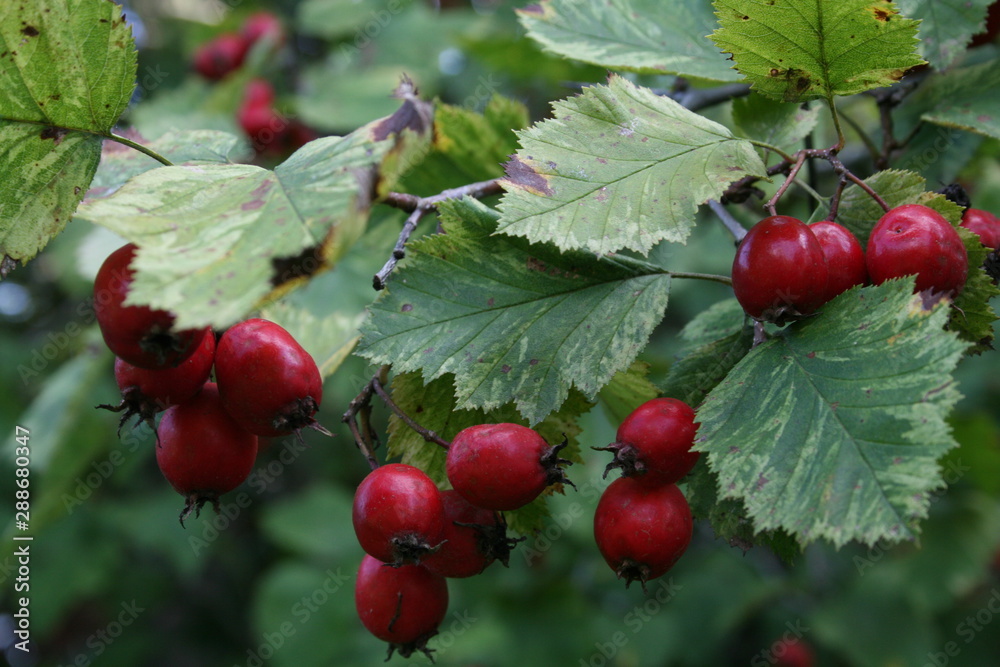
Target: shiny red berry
473, 538
400, 605
147, 391
268, 382
845, 258
917, 240
140, 335
398, 514
202, 451
642, 529
780, 272
985, 224
220, 56
653, 443
502, 466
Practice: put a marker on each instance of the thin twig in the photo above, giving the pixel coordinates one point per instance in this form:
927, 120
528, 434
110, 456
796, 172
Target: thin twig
772, 203
418, 208
835, 200
365, 437
732, 224
428, 435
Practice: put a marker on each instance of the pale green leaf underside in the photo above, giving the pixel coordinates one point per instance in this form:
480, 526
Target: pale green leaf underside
779, 124
794, 50
832, 428
637, 35
946, 26
618, 167
51, 116
512, 321
223, 233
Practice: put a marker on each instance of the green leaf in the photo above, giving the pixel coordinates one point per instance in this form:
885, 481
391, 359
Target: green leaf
792, 50
619, 167
433, 406
717, 321
217, 241
119, 163
345, 18
513, 321
972, 316
832, 428
946, 26
635, 35
696, 374
966, 98
52, 118
627, 390
775, 123
468, 146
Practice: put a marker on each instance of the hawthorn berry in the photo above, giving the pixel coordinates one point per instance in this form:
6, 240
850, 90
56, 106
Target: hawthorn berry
400, 605
780, 272
845, 258
642, 529
653, 443
268, 382
148, 391
398, 514
262, 25
258, 93
139, 335
473, 538
503, 466
220, 56
916, 240
202, 451
984, 224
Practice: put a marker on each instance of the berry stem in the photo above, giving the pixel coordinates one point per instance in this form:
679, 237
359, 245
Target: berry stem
418, 207
837, 126
428, 435
772, 203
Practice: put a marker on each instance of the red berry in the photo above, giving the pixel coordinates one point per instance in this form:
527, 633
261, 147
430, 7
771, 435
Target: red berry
269, 384
261, 25
138, 334
845, 259
400, 605
985, 224
146, 392
653, 443
202, 451
258, 93
779, 272
793, 653
642, 529
502, 466
265, 127
917, 240
398, 514
473, 538
220, 56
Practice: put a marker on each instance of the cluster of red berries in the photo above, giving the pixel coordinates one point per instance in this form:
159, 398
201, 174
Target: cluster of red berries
415, 535
785, 269
225, 53
266, 385
643, 524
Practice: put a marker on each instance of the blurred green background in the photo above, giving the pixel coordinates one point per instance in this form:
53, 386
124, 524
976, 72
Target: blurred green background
115, 580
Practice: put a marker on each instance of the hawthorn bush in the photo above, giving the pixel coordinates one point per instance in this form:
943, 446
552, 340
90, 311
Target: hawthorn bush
505, 213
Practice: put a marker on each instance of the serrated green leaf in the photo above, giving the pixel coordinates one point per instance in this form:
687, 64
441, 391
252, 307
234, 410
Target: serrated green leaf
792, 50
52, 118
832, 428
636, 35
859, 212
719, 320
433, 406
776, 123
627, 390
946, 26
696, 374
966, 98
513, 321
217, 241
119, 163
619, 167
